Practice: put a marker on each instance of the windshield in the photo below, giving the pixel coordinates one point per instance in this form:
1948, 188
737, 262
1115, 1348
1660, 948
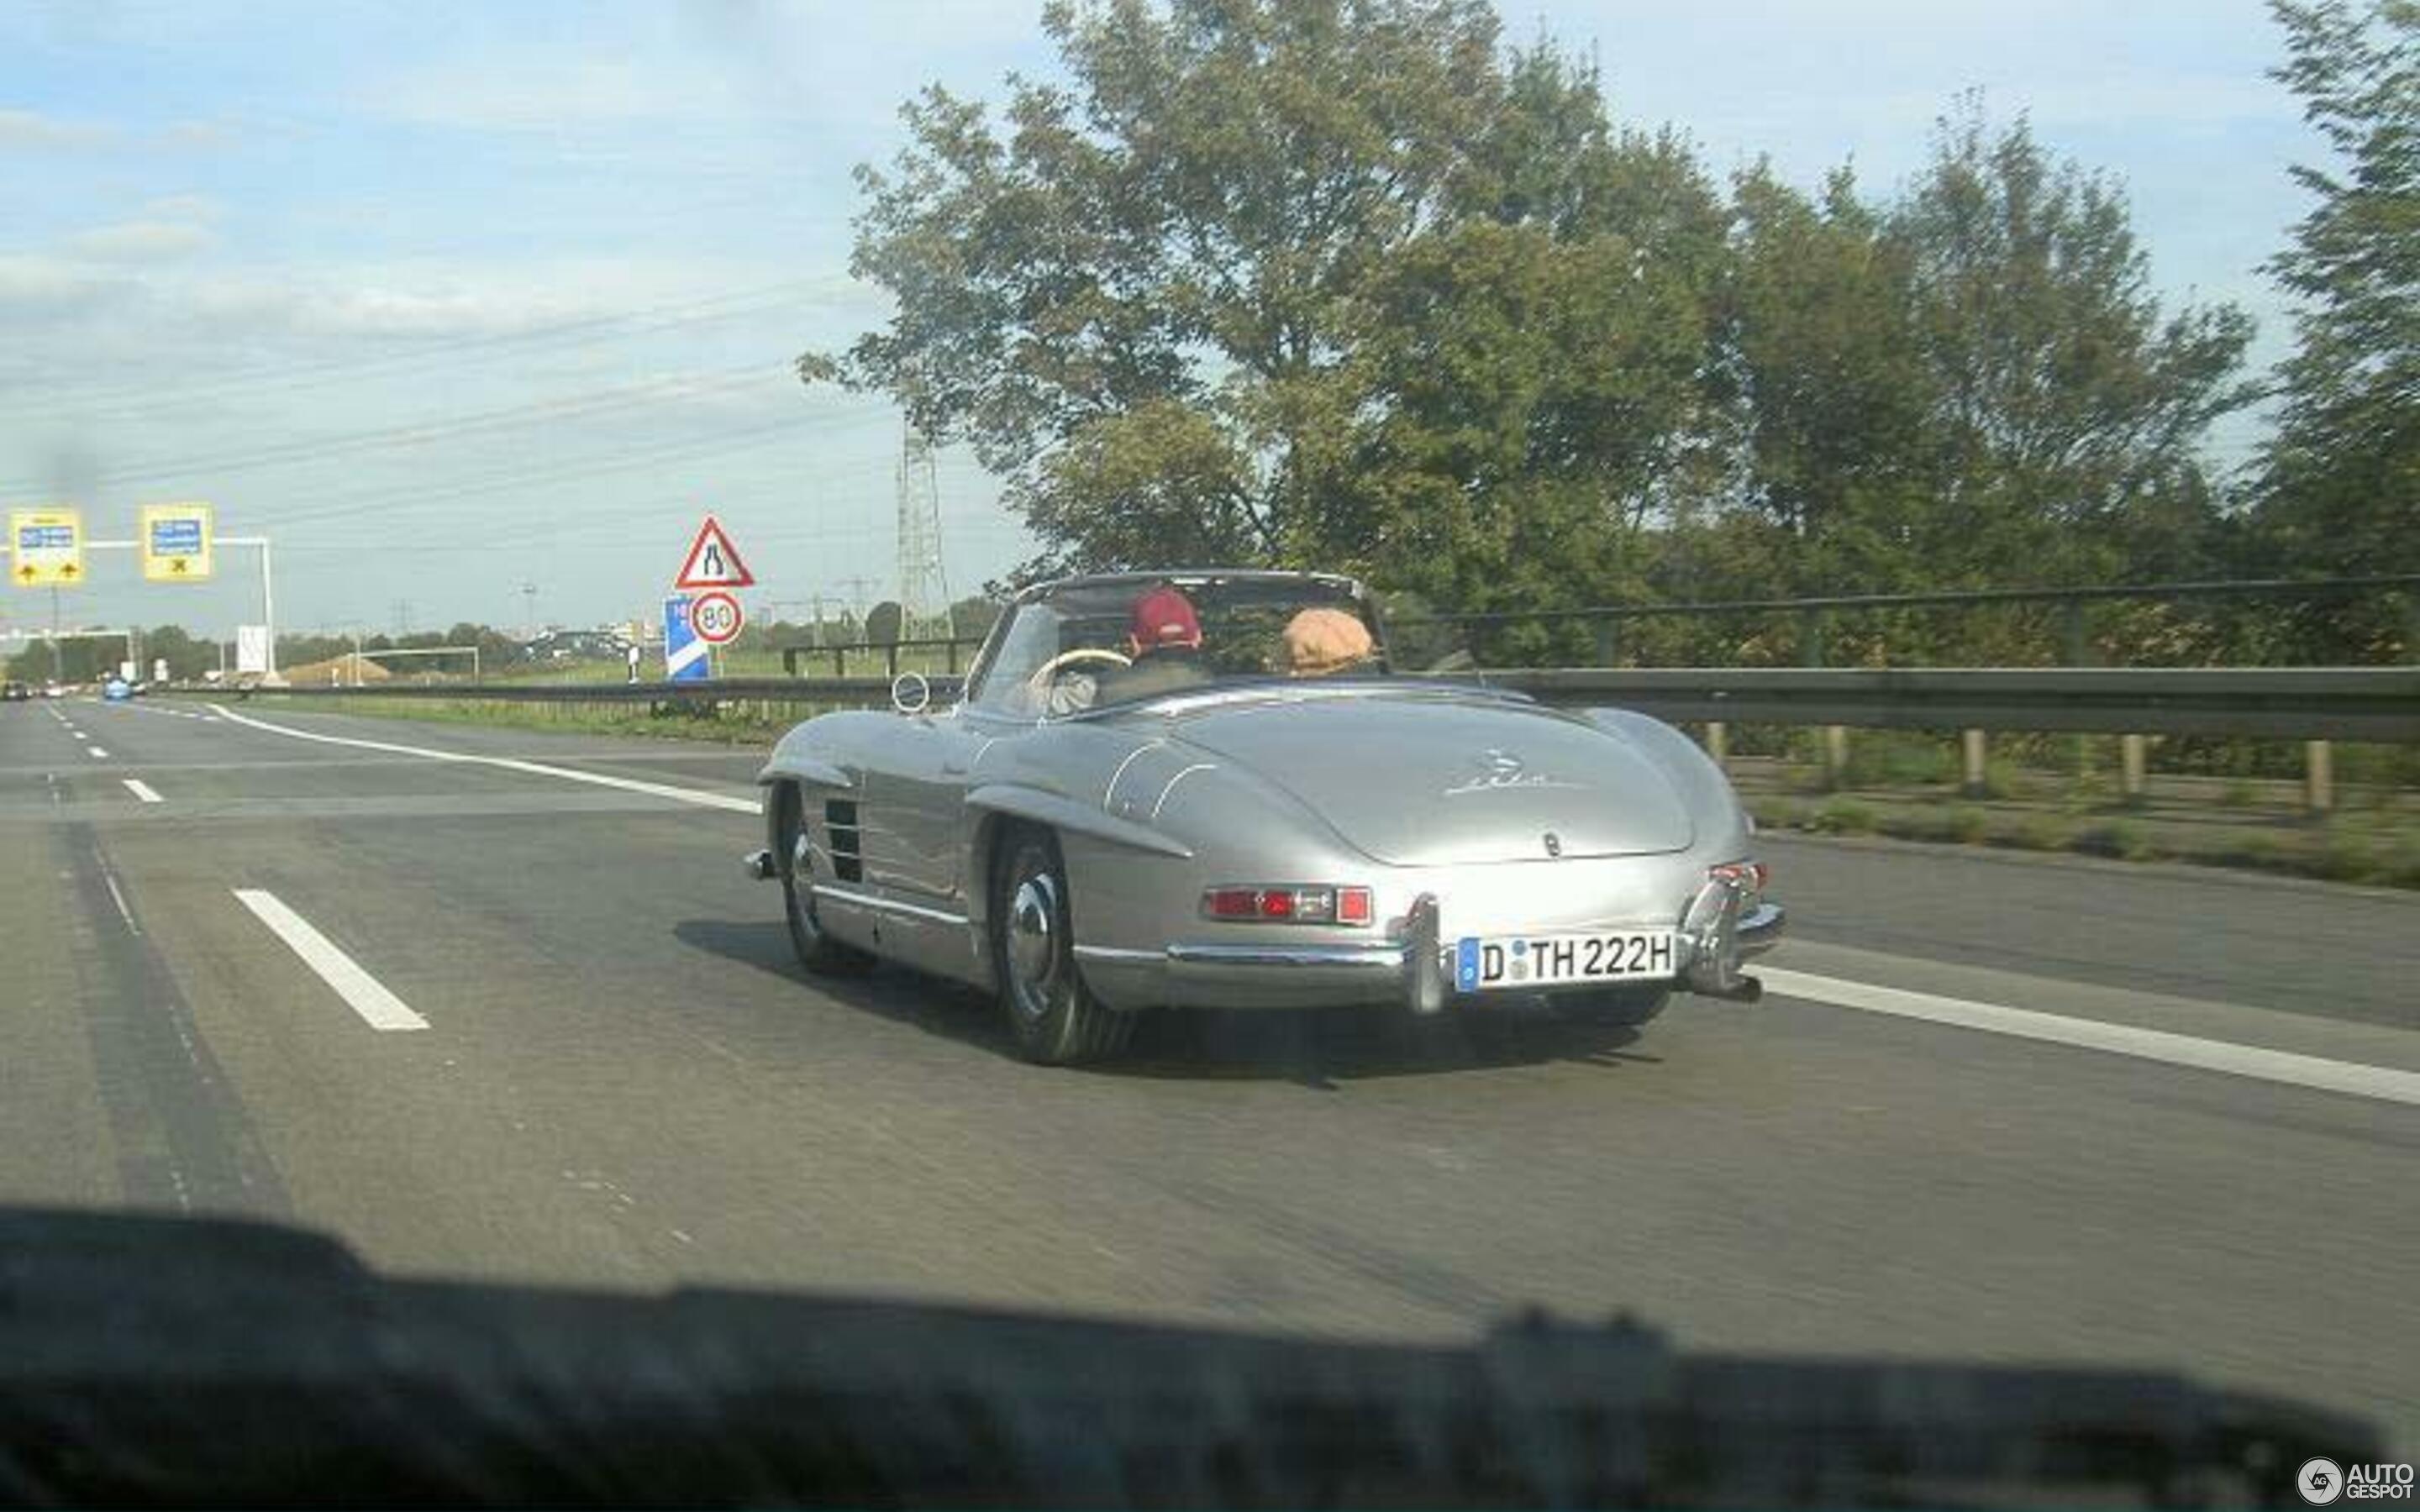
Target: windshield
1073, 649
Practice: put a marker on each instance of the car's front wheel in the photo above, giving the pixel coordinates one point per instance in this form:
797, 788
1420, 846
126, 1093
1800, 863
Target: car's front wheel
1056, 1019
1625, 1007
817, 950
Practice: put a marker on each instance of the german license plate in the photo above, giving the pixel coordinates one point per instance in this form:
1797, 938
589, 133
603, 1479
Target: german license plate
1492, 962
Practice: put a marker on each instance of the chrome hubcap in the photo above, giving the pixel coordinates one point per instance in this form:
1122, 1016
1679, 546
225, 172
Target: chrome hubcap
1033, 948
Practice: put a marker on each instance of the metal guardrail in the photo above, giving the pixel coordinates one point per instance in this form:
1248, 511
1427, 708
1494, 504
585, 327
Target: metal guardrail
2368, 703
1813, 614
2364, 703
950, 646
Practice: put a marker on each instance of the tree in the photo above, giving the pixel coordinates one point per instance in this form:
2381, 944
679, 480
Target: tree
1836, 401
1182, 303
2067, 404
2341, 477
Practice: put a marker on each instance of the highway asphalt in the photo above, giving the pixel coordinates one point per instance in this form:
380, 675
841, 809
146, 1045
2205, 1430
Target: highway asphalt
623, 1080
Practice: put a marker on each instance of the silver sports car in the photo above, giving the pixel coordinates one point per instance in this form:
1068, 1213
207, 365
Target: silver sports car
1212, 789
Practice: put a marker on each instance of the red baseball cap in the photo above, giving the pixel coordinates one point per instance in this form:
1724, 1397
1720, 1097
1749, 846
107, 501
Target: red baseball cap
1164, 617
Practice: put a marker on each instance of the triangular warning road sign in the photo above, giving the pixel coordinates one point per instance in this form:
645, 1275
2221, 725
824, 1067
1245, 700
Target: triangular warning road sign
713, 562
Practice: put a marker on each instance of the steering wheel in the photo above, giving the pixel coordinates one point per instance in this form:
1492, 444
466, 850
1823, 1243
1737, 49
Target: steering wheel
1048, 669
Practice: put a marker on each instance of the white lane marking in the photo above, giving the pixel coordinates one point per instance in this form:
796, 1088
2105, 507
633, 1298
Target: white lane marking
141, 790
661, 790
362, 992
98, 754
2383, 1082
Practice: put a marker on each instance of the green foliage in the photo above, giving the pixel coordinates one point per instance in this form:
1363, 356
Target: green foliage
2342, 476
1843, 816
1352, 286
1899, 758
2122, 838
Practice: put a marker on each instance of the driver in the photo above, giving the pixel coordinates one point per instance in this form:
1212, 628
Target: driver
1164, 637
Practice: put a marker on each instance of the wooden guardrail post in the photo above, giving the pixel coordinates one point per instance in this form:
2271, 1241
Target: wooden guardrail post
1836, 754
1718, 743
1973, 780
2319, 776
2132, 750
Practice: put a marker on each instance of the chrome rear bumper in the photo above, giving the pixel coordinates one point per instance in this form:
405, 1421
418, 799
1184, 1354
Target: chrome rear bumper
1413, 968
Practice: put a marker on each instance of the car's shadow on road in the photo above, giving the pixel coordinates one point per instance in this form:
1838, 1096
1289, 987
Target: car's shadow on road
1322, 1049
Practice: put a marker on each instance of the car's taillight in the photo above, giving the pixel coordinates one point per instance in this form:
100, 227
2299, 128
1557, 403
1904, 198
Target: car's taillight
1288, 905
1748, 875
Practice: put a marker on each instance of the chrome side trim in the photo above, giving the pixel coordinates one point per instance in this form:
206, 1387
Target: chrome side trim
1146, 748
1373, 957
1162, 802
824, 891
1111, 955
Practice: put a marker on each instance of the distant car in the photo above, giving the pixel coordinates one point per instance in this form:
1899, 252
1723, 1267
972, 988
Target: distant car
115, 690
13, 692
1257, 840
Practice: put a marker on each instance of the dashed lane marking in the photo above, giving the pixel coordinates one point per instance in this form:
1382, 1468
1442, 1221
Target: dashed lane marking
363, 992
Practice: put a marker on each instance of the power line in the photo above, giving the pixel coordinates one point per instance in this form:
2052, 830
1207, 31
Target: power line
346, 506
316, 448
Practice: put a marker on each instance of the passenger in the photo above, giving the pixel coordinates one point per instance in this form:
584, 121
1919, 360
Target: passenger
1320, 642
1164, 637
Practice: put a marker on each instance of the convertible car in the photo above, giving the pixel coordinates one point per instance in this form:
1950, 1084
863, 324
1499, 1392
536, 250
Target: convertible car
1213, 789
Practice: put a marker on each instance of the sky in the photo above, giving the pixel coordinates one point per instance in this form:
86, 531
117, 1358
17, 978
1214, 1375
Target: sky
475, 310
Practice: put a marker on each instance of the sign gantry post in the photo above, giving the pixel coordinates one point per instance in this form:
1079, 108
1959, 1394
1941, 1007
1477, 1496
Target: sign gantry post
179, 544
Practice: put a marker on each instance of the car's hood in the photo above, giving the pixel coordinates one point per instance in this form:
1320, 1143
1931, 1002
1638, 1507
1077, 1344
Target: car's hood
1429, 780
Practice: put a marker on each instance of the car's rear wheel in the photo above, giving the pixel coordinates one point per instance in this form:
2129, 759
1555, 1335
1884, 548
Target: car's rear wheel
1625, 1007
817, 950
1056, 1019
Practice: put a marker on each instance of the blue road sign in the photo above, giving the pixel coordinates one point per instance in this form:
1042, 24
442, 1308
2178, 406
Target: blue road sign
685, 655
177, 537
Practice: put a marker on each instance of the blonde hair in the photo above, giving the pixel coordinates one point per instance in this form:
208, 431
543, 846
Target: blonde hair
1319, 641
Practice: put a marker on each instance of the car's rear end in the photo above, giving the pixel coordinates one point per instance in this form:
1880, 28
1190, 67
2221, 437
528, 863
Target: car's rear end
1417, 846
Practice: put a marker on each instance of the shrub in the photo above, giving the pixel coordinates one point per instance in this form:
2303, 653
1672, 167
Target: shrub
2120, 838
1845, 816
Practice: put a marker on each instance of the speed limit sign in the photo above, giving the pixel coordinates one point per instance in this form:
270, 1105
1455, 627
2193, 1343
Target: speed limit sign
716, 618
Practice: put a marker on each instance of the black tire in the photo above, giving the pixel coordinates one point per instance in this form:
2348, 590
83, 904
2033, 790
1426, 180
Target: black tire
1053, 1015
1624, 1008
817, 950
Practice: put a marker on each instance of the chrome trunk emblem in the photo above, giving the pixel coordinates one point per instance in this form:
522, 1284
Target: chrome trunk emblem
1500, 769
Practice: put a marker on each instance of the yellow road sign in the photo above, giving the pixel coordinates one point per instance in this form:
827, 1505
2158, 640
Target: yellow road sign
46, 548
176, 543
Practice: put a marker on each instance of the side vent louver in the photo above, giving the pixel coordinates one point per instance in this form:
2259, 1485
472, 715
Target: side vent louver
839, 819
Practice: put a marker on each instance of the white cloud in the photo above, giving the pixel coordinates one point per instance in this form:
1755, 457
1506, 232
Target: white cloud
201, 137
30, 130
536, 92
47, 285
200, 207
142, 241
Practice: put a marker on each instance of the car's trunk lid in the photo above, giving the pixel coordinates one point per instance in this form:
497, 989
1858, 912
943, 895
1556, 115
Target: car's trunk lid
1439, 780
